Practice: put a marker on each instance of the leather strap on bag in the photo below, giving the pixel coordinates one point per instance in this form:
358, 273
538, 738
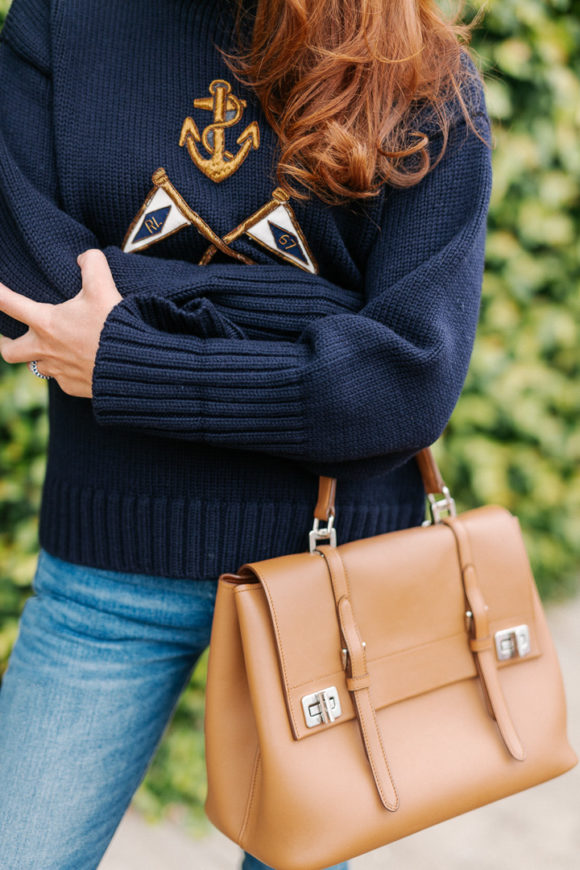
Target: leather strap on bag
481, 642
358, 681
432, 479
430, 474
326, 494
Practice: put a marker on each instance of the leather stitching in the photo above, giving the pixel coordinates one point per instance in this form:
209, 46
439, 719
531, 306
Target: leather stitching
380, 736
362, 720
481, 646
362, 696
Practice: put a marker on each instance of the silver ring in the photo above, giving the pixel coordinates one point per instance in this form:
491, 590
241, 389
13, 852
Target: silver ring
34, 369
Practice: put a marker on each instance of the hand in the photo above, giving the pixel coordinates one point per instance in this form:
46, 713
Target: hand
64, 338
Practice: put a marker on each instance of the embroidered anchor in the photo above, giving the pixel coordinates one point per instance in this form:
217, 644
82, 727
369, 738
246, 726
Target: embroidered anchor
227, 111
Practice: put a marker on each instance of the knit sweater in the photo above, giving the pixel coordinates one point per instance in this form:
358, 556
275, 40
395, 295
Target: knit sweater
320, 339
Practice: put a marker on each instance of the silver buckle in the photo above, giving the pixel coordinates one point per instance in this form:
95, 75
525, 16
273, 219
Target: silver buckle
512, 643
344, 656
317, 534
437, 505
321, 707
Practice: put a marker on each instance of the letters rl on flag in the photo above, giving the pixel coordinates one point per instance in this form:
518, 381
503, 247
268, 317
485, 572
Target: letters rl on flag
157, 218
152, 223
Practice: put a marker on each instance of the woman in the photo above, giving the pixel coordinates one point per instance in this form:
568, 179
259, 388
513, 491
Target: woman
239, 264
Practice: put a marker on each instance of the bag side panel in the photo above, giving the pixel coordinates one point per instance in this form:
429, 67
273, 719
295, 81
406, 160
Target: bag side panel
231, 742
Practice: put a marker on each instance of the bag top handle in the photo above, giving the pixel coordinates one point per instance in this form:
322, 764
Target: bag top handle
432, 481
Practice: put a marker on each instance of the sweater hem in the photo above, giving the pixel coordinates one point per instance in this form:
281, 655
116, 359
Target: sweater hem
136, 533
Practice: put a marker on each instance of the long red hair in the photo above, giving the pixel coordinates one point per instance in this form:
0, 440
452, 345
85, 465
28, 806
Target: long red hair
340, 82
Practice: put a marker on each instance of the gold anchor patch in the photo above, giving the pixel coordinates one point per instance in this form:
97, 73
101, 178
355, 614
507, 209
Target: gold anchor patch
227, 112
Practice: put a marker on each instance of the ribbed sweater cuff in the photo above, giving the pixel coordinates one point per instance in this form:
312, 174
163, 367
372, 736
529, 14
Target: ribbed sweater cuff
226, 390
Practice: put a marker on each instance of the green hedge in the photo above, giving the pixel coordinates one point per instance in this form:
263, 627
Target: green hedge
513, 438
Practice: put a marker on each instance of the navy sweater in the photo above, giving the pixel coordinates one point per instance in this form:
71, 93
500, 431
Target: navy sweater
335, 340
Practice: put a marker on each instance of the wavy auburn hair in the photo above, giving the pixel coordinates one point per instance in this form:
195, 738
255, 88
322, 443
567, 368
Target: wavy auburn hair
341, 81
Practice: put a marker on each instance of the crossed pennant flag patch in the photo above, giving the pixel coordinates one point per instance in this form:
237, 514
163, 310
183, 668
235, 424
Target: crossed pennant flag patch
274, 226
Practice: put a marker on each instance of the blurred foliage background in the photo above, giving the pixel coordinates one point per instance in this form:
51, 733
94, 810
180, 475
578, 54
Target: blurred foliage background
514, 437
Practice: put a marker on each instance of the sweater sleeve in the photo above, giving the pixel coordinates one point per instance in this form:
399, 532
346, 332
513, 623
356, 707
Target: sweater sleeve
373, 386
30, 208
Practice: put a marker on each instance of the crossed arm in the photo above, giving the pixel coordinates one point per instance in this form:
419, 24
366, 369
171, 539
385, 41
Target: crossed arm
355, 394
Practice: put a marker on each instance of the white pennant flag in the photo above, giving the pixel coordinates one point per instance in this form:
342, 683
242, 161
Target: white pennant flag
157, 218
279, 231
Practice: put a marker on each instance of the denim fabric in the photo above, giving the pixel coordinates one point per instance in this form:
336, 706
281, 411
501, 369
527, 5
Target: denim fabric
96, 672
251, 863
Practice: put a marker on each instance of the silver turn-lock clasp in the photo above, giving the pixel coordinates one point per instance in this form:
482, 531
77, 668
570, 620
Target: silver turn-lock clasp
321, 707
512, 643
345, 656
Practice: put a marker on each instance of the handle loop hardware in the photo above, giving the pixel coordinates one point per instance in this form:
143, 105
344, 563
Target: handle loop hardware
317, 534
439, 505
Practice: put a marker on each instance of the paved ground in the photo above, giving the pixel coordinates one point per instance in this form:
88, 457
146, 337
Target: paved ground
535, 830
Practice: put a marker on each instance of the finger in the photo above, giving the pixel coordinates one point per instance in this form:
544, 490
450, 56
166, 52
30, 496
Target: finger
95, 270
21, 307
16, 350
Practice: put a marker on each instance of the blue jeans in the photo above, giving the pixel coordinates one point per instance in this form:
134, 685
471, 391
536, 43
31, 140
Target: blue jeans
96, 672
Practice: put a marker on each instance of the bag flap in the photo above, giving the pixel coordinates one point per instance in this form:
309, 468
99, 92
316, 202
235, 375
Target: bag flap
407, 596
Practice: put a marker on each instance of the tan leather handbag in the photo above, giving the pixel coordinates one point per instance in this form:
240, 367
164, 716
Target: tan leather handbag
361, 692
